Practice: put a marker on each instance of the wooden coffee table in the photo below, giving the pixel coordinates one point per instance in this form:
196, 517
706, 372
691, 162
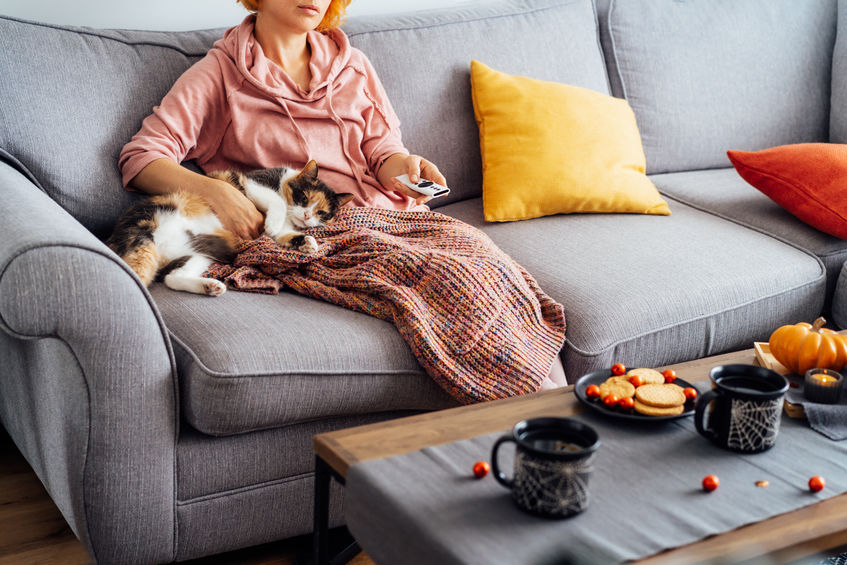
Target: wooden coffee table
801, 533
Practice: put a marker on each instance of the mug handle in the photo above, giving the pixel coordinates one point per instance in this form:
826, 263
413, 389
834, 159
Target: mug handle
498, 474
700, 412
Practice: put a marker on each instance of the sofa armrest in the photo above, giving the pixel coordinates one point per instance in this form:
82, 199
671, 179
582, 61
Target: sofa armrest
88, 388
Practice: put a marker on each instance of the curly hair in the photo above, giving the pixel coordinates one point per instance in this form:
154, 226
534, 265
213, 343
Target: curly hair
332, 19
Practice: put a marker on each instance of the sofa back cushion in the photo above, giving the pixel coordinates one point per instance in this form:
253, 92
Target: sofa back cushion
423, 59
70, 98
838, 110
705, 76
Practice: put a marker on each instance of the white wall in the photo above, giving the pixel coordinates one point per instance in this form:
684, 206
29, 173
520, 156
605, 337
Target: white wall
171, 14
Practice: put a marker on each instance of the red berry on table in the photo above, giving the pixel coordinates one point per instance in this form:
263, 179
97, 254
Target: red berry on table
480, 469
636, 381
618, 369
592, 391
690, 393
626, 403
816, 483
710, 483
611, 400
670, 375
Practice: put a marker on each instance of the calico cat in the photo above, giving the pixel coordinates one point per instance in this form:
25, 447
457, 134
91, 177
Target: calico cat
176, 236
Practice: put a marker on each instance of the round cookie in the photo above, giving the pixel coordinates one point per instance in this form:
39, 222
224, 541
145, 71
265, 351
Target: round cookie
660, 396
648, 410
618, 386
677, 386
648, 376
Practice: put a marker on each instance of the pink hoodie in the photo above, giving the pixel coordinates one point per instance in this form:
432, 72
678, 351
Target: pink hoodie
235, 108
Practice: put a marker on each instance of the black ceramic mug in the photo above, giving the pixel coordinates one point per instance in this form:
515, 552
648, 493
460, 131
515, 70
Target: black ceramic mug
746, 405
552, 464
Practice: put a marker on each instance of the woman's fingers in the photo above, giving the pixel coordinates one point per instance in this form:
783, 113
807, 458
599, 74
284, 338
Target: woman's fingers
237, 213
413, 167
430, 172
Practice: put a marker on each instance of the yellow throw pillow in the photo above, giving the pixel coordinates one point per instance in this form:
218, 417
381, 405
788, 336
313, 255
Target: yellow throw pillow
550, 148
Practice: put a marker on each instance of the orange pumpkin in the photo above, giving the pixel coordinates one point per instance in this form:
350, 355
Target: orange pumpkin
803, 346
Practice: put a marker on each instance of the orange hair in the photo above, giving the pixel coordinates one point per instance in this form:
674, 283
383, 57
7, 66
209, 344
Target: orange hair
332, 19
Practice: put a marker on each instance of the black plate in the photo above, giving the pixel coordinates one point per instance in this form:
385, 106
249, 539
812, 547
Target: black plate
599, 377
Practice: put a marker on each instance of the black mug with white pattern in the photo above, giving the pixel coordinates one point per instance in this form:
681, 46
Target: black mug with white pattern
553, 459
746, 408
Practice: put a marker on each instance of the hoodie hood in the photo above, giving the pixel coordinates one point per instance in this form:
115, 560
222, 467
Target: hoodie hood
331, 52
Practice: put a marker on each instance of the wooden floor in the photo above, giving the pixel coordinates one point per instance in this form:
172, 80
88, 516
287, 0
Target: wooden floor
33, 531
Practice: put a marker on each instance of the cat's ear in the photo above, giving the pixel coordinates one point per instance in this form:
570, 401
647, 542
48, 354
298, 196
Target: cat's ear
310, 171
344, 198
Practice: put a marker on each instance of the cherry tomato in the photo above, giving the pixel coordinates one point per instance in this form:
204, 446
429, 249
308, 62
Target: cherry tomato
636, 381
816, 483
626, 403
592, 391
611, 400
670, 375
480, 469
690, 393
710, 483
618, 369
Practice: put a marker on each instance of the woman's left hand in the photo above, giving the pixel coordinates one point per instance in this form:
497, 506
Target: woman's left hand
417, 168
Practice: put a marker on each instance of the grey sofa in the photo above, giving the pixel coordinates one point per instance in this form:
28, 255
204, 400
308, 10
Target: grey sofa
168, 426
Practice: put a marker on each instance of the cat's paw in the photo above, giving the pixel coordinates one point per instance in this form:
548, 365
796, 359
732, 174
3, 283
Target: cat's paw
211, 287
309, 245
298, 241
274, 225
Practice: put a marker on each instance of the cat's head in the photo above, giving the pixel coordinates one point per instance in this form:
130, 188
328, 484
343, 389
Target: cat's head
311, 202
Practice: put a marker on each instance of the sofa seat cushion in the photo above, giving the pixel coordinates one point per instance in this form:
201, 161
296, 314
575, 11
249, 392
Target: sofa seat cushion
704, 77
253, 361
653, 290
724, 193
209, 466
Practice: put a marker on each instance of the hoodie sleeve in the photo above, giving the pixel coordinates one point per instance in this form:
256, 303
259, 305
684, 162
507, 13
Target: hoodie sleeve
382, 129
188, 124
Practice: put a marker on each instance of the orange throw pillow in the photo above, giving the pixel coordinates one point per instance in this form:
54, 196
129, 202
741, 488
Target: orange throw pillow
807, 179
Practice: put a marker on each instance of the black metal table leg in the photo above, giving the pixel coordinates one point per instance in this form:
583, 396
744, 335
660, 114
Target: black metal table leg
320, 537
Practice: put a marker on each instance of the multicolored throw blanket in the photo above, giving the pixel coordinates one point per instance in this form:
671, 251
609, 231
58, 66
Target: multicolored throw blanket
476, 321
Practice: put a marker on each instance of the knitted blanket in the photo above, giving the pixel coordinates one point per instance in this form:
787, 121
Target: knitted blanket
477, 321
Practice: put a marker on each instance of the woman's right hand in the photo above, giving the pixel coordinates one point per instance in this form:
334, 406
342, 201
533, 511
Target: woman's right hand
235, 211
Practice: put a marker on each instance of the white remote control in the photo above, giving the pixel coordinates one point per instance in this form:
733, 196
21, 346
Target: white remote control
426, 187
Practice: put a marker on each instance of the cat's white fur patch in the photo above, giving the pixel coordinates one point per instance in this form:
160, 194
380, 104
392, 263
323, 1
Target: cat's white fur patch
173, 239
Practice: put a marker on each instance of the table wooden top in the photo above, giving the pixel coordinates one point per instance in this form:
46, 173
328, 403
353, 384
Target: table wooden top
786, 537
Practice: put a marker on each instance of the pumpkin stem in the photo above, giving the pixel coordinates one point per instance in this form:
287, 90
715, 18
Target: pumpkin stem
819, 323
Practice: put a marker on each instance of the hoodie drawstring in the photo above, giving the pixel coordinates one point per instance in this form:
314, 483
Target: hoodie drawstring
342, 129
304, 144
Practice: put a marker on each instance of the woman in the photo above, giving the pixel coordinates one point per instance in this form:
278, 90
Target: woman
281, 88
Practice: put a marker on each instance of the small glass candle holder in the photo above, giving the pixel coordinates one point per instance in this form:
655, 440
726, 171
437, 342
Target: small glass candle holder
823, 385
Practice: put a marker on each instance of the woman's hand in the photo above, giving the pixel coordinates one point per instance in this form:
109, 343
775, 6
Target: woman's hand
413, 165
235, 211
